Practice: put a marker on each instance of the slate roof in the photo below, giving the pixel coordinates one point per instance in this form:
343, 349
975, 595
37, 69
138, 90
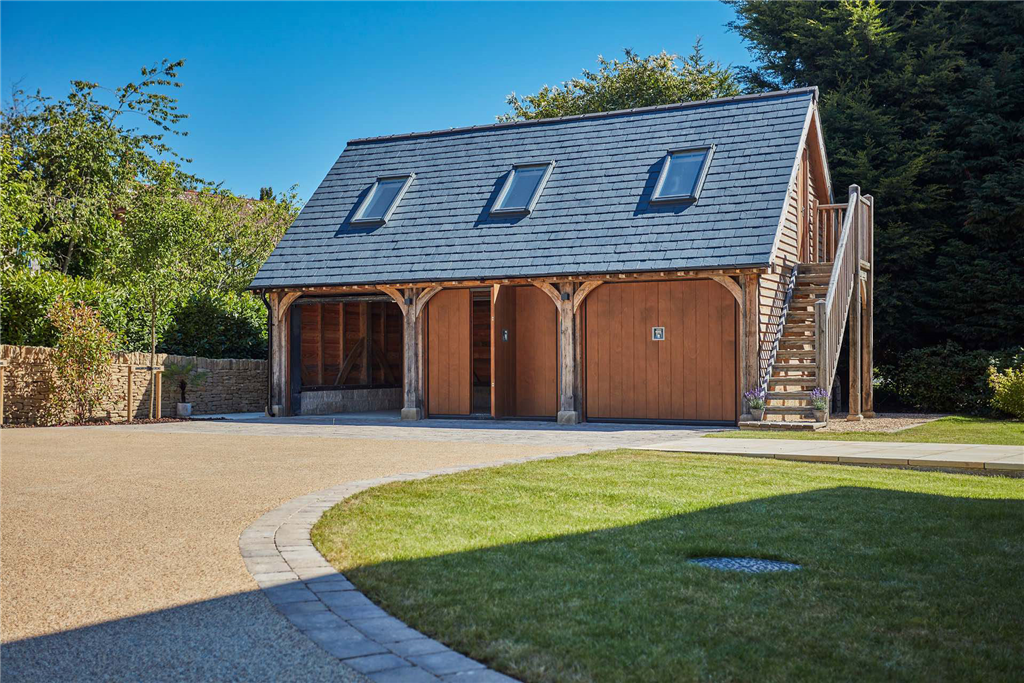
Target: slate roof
594, 215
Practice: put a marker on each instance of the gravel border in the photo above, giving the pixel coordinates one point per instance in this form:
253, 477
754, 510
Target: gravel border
331, 611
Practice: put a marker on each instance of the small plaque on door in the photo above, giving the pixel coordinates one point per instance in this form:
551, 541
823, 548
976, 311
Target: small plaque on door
504, 335
658, 333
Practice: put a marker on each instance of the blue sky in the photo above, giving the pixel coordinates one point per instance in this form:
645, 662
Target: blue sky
274, 90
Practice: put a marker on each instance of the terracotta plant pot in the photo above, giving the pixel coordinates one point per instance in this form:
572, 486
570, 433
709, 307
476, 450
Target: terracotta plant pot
184, 409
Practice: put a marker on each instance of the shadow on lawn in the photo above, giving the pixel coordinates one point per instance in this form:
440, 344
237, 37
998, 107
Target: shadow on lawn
930, 581
934, 581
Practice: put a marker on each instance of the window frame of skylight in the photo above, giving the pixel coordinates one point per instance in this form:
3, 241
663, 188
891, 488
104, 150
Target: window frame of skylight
497, 209
702, 174
365, 204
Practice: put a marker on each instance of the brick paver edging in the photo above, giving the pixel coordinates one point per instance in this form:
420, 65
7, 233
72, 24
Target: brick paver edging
325, 606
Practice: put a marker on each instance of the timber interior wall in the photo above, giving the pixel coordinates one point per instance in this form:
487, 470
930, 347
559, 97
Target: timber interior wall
356, 344
689, 376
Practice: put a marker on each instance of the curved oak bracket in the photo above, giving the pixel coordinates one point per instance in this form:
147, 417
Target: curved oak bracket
731, 285
397, 296
548, 289
422, 300
284, 302
581, 293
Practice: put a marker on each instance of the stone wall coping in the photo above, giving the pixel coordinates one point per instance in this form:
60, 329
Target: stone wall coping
326, 607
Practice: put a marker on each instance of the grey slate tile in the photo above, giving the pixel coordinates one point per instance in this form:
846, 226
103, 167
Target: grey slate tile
593, 216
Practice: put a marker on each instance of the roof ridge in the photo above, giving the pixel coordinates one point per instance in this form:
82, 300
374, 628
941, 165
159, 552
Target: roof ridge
594, 115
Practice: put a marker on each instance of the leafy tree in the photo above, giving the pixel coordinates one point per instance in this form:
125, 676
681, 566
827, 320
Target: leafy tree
19, 210
87, 154
81, 361
633, 82
922, 106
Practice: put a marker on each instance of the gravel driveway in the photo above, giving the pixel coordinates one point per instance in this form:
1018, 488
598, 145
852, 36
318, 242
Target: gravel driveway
120, 544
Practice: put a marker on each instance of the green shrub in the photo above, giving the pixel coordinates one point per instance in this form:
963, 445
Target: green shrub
218, 325
1008, 390
82, 359
28, 296
949, 379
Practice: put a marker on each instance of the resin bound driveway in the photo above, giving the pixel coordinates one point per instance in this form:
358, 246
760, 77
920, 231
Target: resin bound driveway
120, 544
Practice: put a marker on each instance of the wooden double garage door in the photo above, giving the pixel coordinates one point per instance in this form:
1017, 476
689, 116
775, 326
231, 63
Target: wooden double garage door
660, 351
663, 351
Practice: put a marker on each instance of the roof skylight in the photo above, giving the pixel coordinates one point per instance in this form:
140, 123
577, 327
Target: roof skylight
383, 197
522, 188
682, 176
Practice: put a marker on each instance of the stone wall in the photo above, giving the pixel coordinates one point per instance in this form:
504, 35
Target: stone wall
231, 386
325, 402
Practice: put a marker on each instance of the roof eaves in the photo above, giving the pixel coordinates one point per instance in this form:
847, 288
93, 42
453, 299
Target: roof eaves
595, 115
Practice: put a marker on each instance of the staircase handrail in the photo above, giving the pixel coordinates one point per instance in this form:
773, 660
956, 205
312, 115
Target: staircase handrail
831, 312
766, 375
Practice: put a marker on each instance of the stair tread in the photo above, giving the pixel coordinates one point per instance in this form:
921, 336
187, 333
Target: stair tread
801, 410
789, 395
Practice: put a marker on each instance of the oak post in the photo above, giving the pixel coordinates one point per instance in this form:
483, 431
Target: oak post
279, 362
567, 413
856, 313
749, 343
868, 364
412, 407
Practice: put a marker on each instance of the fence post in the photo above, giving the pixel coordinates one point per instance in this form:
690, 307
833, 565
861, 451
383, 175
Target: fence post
130, 411
3, 364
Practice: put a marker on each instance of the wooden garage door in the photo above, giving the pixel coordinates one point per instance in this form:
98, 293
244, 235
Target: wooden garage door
525, 365
690, 375
449, 380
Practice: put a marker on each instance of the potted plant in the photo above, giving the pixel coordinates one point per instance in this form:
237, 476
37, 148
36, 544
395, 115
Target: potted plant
185, 375
819, 402
755, 400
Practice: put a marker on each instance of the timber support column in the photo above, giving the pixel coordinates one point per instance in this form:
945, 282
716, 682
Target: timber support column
855, 323
749, 343
412, 304
567, 412
412, 404
868, 335
279, 366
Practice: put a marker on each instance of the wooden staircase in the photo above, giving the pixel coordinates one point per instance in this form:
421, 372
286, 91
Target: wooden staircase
794, 374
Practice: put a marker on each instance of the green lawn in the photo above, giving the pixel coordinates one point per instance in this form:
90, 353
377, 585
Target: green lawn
945, 430
575, 569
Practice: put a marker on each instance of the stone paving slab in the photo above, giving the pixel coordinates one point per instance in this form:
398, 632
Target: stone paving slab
946, 455
327, 608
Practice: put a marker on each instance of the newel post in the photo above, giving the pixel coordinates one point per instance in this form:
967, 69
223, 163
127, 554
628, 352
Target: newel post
567, 413
856, 312
868, 336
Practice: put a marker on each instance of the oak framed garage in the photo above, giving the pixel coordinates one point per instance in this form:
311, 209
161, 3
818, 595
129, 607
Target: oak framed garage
663, 264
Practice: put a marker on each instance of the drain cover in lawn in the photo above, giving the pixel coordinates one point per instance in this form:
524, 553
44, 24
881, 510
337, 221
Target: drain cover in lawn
745, 564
